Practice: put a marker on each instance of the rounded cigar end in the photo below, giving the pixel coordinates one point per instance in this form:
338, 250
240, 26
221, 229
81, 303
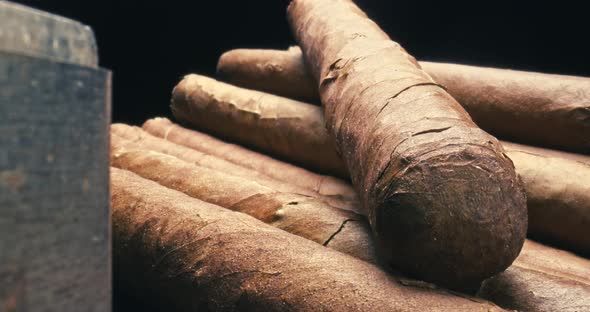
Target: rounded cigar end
454, 219
228, 63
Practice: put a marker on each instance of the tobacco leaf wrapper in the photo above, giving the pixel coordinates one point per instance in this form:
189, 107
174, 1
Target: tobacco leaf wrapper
301, 215
556, 184
507, 103
334, 191
181, 253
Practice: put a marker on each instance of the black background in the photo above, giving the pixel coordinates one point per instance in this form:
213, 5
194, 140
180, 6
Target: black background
150, 45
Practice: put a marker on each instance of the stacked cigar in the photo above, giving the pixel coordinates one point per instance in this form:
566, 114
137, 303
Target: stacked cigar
388, 198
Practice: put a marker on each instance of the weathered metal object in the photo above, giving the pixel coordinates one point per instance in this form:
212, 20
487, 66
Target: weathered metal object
54, 143
28, 31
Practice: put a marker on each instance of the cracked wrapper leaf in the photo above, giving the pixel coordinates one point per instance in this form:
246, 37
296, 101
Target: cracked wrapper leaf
238, 161
510, 104
178, 252
556, 183
475, 189
301, 215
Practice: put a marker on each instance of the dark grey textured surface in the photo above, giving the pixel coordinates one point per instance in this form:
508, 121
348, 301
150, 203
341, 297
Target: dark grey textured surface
24, 30
54, 198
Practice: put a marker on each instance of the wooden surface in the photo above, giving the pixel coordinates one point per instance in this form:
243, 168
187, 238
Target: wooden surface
54, 216
28, 31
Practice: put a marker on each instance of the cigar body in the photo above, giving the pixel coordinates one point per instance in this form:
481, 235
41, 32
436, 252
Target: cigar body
558, 198
509, 104
557, 188
334, 191
528, 285
271, 167
256, 119
542, 279
181, 253
301, 215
